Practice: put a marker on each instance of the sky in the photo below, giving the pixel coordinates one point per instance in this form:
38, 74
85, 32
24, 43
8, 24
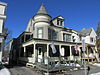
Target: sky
78, 14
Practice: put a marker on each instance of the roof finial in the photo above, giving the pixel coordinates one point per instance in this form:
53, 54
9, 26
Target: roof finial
42, 10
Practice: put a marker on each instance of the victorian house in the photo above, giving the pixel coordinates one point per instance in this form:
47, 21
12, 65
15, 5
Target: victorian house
46, 40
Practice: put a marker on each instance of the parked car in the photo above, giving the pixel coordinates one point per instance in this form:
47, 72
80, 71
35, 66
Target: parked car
3, 70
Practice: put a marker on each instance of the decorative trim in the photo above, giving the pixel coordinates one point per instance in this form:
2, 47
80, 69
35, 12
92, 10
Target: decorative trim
42, 21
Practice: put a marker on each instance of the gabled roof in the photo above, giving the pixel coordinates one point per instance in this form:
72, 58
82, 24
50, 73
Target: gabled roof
86, 31
60, 17
42, 10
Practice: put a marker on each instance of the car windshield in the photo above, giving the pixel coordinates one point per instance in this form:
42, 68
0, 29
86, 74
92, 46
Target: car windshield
1, 66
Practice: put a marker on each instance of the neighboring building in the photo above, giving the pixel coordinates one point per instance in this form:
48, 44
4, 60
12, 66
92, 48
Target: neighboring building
7, 53
2, 22
46, 40
98, 38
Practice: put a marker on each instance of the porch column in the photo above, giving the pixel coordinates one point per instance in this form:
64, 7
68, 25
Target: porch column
47, 50
59, 53
34, 60
47, 54
70, 53
96, 54
0, 52
87, 53
24, 51
60, 49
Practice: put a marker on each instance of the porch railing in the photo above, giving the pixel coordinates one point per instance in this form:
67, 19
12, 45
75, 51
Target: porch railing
52, 66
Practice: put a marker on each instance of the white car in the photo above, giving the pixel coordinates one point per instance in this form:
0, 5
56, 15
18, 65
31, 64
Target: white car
3, 70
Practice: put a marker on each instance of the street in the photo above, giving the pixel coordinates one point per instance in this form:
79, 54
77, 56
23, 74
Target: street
93, 69
22, 70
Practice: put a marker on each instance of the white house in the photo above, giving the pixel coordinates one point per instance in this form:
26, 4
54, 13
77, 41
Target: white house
2, 22
46, 40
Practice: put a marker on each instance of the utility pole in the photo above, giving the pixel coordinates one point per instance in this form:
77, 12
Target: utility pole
83, 49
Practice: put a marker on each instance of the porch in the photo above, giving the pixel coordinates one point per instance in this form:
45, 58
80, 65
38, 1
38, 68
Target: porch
40, 51
90, 54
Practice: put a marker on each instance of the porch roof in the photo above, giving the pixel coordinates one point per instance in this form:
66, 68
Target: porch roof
32, 40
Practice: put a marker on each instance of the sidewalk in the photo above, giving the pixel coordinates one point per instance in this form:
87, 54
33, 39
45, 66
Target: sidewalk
93, 69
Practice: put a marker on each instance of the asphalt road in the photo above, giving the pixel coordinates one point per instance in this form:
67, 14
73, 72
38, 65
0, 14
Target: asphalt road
22, 70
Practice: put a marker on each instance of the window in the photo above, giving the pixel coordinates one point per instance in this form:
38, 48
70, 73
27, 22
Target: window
64, 37
57, 22
61, 23
80, 38
40, 32
67, 37
55, 34
29, 51
73, 38
27, 37
91, 39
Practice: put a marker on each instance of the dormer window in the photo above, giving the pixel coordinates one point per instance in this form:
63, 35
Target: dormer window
59, 22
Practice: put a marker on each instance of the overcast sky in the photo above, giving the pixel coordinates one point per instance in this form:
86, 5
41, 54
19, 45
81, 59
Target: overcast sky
78, 14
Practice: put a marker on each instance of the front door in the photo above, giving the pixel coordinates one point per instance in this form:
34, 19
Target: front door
40, 54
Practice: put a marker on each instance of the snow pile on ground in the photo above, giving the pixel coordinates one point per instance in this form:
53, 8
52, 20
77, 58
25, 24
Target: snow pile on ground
72, 64
95, 73
4, 72
97, 64
77, 65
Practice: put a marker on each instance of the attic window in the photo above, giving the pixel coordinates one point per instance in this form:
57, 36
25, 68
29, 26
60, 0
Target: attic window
91, 39
59, 22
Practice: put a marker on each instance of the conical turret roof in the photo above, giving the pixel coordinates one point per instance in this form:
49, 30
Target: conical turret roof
42, 10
